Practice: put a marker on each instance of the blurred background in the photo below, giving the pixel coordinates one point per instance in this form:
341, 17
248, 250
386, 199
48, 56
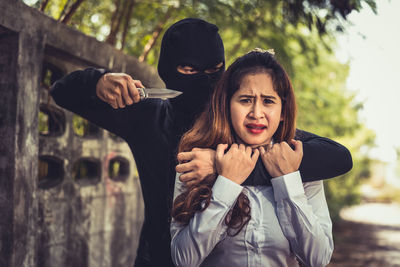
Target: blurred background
343, 58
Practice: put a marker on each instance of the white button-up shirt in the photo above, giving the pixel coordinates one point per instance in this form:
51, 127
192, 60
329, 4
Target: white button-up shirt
289, 221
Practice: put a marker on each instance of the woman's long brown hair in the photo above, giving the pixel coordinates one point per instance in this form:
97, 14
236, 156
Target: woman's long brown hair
214, 127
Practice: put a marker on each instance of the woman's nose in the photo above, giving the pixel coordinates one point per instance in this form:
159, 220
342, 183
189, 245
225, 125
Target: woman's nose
257, 111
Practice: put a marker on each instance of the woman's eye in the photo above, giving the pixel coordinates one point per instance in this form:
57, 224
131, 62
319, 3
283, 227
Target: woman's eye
245, 100
268, 101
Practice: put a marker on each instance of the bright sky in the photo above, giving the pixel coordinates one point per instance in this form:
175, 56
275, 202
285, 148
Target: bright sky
372, 46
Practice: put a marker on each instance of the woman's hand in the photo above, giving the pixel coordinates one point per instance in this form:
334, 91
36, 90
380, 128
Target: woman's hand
118, 89
237, 163
281, 159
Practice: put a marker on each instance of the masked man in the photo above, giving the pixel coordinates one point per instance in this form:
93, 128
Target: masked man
191, 61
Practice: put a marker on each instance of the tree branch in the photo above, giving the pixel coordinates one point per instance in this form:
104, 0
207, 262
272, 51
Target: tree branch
43, 5
126, 23
65, 19
156, 33
63, 10
115, 23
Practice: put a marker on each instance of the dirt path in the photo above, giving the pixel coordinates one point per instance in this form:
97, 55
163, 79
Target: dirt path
369, 236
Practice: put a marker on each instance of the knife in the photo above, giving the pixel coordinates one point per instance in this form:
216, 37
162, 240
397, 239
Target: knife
162, 93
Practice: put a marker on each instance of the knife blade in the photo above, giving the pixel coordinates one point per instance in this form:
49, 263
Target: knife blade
162, 93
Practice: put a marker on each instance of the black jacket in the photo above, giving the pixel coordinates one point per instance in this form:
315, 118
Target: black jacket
152, 129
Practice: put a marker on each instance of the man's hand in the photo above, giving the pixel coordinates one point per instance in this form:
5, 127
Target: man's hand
237, 163
281, 159
196, 165
118, 89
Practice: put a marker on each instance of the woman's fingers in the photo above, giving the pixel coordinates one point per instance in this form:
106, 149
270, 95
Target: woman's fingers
298, 146
249, 150
256, 154
220, 150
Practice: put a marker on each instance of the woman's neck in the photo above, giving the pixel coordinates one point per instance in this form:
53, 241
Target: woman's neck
240, 141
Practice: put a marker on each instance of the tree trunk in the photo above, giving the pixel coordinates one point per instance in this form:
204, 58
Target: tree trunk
65, 19
115, 14
243, 36
156, 33
236, 48
63, 10
126, 22
115, 23
43, 5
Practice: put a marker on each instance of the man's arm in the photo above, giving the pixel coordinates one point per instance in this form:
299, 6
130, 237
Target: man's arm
78, 88
77, 93
323, 158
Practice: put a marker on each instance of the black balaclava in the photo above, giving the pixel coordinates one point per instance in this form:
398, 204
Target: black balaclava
196, 43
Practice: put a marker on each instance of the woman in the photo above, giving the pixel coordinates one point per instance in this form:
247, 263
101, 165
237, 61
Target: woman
224, 222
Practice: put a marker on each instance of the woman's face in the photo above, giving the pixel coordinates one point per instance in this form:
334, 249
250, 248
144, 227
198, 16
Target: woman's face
255, 110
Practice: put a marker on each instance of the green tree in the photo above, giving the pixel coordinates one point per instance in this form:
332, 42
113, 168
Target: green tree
135, 25
302, 33
327, 108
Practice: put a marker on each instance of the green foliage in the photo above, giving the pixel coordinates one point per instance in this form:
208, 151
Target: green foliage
344, 190
79, 125
326, 108
320, 86
114, 169
245, 24
302, 35
83, 127
43, 123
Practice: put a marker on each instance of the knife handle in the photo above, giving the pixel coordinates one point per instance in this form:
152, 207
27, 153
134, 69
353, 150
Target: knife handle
142, 93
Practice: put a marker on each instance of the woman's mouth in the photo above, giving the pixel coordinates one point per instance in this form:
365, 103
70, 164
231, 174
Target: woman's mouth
255, 128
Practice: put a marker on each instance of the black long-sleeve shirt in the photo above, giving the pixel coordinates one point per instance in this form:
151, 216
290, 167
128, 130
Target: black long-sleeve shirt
152, 128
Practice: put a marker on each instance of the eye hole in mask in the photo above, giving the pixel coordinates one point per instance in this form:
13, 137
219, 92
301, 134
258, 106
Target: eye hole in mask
189, 70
